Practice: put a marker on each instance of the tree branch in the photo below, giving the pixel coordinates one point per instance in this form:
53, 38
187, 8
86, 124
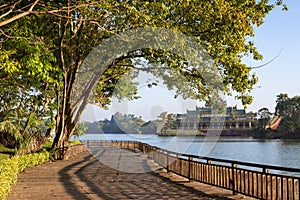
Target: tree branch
30, 11
10, 10
7, 5
19, 15
260, 66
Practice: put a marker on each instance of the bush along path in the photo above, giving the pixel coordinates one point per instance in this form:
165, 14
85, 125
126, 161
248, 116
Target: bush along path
11, 167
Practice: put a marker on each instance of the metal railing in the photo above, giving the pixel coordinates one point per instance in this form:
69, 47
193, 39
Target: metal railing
254, 180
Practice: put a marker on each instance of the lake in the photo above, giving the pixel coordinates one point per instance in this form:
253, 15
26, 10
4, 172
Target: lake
285, 153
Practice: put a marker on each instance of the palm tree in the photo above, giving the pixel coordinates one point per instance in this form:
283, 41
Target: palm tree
281, 107
24, 136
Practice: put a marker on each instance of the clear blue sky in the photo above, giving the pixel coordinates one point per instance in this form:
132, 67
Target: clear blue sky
281, 31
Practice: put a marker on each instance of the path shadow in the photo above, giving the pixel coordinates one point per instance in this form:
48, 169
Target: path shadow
91, 179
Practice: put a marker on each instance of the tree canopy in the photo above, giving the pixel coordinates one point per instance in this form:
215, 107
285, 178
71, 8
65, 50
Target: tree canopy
289, 109
45, 42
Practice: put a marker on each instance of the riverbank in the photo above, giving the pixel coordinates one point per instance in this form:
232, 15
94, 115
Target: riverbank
85, 177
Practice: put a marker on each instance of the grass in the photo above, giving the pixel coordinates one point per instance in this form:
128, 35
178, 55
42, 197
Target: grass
47, 145
5, 152
3, 156
73, 142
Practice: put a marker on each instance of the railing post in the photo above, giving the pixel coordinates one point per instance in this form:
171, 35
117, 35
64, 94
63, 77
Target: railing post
158, 156
209, 172
265, 170
190, 167
168, 162
265, 173
233, 166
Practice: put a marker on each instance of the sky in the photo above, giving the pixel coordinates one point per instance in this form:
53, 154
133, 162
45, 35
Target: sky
279, 33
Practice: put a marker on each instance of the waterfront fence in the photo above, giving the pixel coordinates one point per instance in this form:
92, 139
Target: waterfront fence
254, 180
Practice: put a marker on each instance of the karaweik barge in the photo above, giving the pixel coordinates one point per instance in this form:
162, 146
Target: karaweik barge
204, 121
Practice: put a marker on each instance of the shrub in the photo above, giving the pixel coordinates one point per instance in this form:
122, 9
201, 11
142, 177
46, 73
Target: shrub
74, 142
10, 168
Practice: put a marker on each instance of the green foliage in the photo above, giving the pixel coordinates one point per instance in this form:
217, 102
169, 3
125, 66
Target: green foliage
168, 122
4, 156
5, 152
9, 128
25, 135
95, 127
80, 129
28, 74
261, 130
115, 82
120, 123
74, 142
47, 146
289, 109
149, 127
42, 53
10, 168
289, 127
264, 117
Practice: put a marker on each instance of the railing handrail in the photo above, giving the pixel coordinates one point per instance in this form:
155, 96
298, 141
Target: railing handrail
248, 164
258, 183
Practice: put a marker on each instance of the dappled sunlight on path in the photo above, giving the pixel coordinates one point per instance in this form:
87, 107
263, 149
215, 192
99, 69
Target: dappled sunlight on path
86, 177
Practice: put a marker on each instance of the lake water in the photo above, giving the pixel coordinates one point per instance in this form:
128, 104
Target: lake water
285, 153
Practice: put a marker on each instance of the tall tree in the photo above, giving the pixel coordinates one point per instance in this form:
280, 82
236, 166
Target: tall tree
289, 109
281, 104
69, 30
264, 117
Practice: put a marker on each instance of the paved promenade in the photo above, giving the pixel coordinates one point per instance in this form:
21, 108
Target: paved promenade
109, 173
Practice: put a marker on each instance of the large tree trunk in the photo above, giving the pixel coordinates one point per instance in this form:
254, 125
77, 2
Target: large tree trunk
69, 105
65, 123
62, 138
69, 112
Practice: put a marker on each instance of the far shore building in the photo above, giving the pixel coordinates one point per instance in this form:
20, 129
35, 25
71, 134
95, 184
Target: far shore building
233, 122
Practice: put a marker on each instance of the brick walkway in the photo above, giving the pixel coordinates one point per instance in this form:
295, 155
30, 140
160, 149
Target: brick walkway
109, 175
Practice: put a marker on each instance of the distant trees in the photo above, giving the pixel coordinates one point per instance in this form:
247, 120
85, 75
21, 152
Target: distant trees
168, 122
119, 123
289, 109
289, 127
264, 116
263, 119
281, 104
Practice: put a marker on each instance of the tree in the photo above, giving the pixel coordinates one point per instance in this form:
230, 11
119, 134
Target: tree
281, 104
80, 129
289, 109
264, 117
27, 138
171, 122
69, 30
